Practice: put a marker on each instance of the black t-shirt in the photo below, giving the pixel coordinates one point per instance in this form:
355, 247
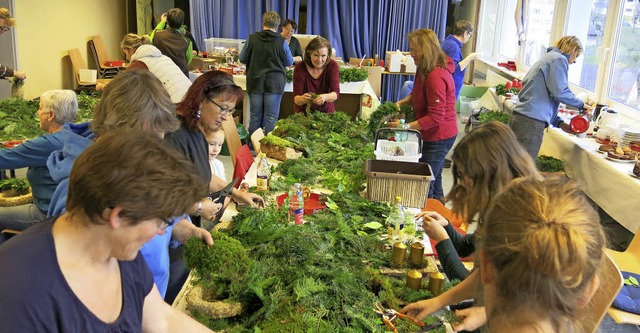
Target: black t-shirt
193, 145
35, 296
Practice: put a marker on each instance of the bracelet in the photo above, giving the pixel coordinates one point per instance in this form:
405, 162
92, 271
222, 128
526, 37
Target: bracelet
199, 210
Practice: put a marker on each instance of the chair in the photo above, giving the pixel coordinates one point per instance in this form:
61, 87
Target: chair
77, 63
437, 206
101, 56
628, 261
255, 139
610, 285
243, 162
231, 137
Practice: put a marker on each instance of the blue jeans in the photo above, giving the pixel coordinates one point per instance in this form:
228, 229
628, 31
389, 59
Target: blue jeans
433, 153
265, 110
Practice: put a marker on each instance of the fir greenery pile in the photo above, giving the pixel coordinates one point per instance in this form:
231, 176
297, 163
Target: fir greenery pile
324, 275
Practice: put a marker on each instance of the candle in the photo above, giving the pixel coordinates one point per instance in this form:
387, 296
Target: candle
416, 254
436, 283
398, 253
414, 279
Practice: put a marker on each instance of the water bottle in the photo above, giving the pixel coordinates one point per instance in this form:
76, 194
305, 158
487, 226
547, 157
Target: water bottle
396, 219
296, 205
263, 174
402, 136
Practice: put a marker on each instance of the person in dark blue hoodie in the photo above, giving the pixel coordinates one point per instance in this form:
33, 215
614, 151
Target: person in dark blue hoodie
136, 100
57, 108
266, 55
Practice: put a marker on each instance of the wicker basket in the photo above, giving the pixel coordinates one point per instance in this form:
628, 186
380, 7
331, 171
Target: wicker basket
387, 179
9, 201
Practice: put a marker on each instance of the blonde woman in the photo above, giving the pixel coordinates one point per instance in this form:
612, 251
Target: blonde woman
545, 86
433, 99
541, 249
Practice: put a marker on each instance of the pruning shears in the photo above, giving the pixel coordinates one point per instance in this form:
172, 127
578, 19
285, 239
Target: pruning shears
226, 191
390, 315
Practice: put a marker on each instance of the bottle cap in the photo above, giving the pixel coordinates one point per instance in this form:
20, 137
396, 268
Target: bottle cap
398, 198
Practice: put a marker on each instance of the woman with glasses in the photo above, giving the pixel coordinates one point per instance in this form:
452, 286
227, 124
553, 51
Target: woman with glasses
452, 47
288, 28
208, 103
135, 100
6, 22
89, 273
57, 109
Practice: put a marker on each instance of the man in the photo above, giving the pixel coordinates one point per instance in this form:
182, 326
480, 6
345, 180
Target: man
172, 42
452, 46
6, 22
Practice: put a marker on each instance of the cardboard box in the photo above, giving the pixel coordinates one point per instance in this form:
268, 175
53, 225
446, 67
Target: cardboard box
400, 62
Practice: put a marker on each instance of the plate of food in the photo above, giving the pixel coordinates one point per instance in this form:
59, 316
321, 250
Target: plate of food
617, 159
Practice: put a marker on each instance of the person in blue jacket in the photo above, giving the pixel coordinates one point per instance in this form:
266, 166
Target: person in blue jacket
135, 100
545, 86
57, 108
452, 47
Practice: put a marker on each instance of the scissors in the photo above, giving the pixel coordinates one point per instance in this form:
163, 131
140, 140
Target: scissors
226, 191
390, 315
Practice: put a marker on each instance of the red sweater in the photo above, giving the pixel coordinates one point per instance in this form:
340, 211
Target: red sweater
328, 82
434, 98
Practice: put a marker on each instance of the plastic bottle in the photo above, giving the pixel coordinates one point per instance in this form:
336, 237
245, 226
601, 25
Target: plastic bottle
296, 205
396, 219
402, 136
263, 174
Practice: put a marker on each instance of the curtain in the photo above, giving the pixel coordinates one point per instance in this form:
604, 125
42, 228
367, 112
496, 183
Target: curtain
235, 18
358, 28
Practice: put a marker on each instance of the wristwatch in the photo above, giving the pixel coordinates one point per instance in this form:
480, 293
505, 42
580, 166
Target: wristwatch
199, 210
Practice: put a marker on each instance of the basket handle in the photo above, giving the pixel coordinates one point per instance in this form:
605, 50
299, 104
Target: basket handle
391, 129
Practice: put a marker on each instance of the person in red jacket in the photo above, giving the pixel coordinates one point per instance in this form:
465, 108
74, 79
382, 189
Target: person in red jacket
433, 99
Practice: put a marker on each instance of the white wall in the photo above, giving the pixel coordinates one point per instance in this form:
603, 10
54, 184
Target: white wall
45, 30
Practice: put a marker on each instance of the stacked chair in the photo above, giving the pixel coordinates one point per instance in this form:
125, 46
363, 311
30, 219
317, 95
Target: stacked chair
77, 64
101, 57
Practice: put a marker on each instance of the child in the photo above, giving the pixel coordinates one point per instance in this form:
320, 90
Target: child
215, 139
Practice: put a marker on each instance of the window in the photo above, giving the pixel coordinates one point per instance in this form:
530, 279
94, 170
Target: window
537, 30
591, 33
625, 76
609, 67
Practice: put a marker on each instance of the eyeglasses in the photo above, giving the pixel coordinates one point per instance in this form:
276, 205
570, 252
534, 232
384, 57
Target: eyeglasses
39, 112
223, 111
166, 222
469, 34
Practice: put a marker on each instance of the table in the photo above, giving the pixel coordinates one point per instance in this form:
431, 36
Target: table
351, 93
609, 184
493, 101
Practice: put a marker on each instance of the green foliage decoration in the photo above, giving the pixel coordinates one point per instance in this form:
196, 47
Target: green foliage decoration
546, 163
18, 186
347, 74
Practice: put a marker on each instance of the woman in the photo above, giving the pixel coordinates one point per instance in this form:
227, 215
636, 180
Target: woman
485, 161
57, 108
288, 28
143, 55
545, 86
541, 249
208, 103
134, 100
452, 47
266, 55
433, 99
316, 75
6, 22
90, 276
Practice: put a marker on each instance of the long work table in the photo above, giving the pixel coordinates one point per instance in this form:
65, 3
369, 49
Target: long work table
610, 184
